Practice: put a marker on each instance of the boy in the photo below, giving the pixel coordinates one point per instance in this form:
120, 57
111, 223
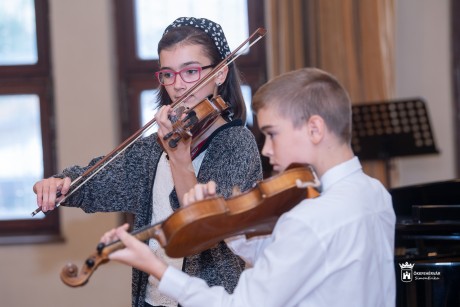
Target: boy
334, 250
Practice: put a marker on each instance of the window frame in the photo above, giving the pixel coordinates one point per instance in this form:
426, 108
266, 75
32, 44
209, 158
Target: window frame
35, 79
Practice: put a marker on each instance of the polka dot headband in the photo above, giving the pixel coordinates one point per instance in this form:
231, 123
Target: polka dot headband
214, 31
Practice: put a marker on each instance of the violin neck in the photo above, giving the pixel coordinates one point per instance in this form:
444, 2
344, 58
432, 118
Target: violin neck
153, 231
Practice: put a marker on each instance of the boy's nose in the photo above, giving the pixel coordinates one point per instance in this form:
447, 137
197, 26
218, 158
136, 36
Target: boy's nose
266, 149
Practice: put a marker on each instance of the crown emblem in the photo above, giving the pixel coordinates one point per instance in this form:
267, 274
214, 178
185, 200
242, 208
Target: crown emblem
406, 265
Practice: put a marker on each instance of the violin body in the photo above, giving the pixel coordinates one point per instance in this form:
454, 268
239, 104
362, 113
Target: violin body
200, 226
203, 224
197, 117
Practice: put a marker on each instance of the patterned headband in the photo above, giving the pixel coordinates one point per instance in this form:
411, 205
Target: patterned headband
214, 30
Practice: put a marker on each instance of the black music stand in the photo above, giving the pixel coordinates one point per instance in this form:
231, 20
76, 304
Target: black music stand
389, 129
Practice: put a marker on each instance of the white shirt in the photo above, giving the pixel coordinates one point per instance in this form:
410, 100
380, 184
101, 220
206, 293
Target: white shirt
334, 250
162, 188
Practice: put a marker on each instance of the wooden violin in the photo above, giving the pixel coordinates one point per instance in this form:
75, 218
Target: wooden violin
201, 225
195, 118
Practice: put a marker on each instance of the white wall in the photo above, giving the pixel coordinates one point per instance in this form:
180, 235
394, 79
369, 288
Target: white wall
423, 63
83, 59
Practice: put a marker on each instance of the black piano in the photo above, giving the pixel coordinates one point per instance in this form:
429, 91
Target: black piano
427, 244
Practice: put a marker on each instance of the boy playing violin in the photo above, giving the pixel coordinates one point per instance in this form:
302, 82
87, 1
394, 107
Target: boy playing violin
333, 250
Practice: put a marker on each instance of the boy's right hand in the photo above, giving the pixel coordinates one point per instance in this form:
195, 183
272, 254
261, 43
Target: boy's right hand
199, 192
46, 190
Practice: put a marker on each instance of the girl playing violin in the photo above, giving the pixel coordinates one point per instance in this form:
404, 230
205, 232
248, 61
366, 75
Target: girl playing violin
333, 250
150, 178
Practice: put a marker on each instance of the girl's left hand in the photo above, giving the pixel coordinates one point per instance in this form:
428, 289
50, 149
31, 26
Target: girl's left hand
165, 126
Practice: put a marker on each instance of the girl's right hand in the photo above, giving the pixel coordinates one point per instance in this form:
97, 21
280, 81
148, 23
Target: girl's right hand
46, 190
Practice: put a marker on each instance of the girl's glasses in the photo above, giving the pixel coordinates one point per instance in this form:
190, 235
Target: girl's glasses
189, 74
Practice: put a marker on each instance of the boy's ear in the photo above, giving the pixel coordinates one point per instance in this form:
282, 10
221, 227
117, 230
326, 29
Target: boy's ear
316, 128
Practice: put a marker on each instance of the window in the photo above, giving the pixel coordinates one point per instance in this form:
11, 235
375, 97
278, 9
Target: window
27, 137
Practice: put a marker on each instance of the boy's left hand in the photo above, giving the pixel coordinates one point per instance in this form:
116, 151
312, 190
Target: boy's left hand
136, 253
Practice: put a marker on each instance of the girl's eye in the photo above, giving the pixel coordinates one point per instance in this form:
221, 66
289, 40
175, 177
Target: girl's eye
167, 75
191, 71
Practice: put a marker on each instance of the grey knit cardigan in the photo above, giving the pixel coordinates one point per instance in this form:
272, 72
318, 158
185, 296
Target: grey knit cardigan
125, 185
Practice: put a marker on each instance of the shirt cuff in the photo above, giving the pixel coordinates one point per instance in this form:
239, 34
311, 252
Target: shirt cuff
173, 282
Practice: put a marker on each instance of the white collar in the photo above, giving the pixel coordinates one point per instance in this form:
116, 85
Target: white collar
339, 172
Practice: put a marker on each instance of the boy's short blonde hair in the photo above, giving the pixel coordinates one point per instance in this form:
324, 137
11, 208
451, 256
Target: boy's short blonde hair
299, 94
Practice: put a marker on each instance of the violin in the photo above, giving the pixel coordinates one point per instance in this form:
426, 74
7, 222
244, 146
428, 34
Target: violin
205, 112
203, 224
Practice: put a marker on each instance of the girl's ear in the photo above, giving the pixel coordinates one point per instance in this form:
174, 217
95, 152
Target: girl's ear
316, 128
222, 75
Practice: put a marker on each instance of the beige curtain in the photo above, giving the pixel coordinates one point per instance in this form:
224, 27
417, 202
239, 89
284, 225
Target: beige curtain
286, 39
352, 39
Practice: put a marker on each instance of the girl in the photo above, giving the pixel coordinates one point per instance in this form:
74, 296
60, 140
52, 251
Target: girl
225, 151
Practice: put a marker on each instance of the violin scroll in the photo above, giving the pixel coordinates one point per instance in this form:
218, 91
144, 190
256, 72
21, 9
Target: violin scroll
71, 276
74, 278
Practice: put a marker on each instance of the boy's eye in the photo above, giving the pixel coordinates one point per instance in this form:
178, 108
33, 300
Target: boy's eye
269, 134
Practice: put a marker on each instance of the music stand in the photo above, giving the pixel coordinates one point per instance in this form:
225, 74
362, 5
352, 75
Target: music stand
389, 129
